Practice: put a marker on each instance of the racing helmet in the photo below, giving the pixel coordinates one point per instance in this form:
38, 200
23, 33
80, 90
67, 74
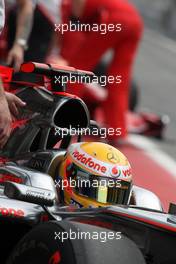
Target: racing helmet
94, 174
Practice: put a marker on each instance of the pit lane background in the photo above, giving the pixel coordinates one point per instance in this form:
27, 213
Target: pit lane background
153, 161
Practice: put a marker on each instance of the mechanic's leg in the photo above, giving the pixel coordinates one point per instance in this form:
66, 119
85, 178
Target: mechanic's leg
124, 44
116, 105
89, 54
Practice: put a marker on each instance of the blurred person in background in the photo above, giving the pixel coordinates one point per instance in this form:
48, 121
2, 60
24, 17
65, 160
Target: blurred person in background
84, 50
5, 117
15, 42
41, 37
23, 24
9, 103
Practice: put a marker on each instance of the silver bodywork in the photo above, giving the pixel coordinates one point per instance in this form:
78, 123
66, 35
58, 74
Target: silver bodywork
146, 199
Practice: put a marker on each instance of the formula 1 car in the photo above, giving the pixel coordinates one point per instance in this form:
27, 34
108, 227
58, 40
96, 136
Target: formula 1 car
37, 227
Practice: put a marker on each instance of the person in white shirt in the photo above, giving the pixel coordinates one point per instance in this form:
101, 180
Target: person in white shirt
23, 29
9, 103
2, 15
46, 14
53, 8
5, 117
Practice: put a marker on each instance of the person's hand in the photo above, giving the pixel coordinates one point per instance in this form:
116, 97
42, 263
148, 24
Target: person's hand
14, 103
16, 56
57, 60
5, 121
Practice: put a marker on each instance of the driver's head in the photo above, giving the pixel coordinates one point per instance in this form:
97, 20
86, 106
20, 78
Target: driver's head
95, 174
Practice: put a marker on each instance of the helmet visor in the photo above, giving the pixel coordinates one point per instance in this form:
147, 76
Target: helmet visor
101, 189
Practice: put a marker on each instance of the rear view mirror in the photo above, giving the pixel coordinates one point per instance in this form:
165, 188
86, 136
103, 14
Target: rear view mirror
29, 194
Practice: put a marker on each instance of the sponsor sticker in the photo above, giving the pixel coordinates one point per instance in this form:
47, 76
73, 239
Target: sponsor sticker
11, 212
101, 168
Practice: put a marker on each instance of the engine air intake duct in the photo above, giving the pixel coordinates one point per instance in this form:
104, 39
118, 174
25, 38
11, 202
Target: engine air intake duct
71, 113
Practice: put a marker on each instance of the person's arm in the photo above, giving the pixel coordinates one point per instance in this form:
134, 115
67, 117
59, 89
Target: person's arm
54, 55
5, 118
2, 15
9, 105
23, 30
78, 7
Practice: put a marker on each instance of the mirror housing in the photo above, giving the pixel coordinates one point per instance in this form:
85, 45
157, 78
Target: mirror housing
29, 194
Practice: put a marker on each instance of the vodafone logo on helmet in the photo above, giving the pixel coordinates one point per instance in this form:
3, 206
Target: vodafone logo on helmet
99, 167
89, 162
115, 172
121, 172
127, 172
